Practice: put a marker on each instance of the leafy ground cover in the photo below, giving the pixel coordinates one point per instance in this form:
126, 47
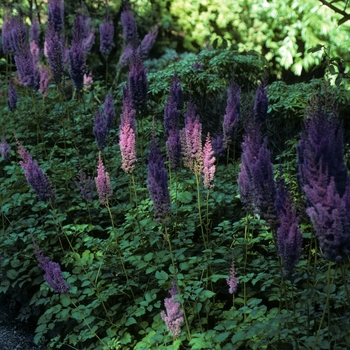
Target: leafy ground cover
170, 210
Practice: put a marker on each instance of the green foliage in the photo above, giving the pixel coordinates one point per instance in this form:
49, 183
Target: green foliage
282, 31
121, 263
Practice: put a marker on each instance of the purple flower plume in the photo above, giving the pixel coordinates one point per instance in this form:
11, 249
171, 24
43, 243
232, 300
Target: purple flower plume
218, 145
55, 52
261, 103
255, 181
191, 140
232, 281
176, 92
103, 183
128, 111
173, 317
289, 237
100, 128
86, 186
35, 176
56, 15
34, 31
6, 35
5, 149
208, 164
158, 183
148, 42
173, 147
129, 25
232, 113
124, 58
171, 115
53, 274
12, 97
77, 64
137, 82
106, 37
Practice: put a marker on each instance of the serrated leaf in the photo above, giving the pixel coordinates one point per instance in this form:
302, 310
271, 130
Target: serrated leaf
184, 197
161, 275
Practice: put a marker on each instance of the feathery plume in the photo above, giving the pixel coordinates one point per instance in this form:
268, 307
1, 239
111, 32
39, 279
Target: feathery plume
173, 147
12, 97
208, 164
100, 128
129, 25
127, 145
103, 183
5, 149
232, 281
86, 186
261, 103
148, 42
108, 110
173, 317
53, 274
106, 37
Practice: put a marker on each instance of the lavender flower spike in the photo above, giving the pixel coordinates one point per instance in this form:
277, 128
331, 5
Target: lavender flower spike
56, 15
232, 281
35, 176
100, 129
129, 25
86, 186
148, 42
173, 317
261, 103
289, 237
137, 82
55, 52
208, 164
173, 147
103, 183
106, 37
158, 183
232, 113
108, 110
53, 274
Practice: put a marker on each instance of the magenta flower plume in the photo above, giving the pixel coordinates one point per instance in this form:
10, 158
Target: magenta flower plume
148, 42
127, 147
103, 183
44, 81
53, 274
5, 149
129, 25
35, 176
173, 147
106, 37
232, 113
232, 281
208, 164
289, 237
137, 82
173, 317
129, 113
191, 140
158, 183
12, 97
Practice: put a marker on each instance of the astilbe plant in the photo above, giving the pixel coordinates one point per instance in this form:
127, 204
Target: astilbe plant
86, 186
137, 82
173, 317
208, 164
261, 103
108, 110
232, 281
148, 42
103, 183
56, 15
191, 140
35, 176
53, 274
12, 97
44, 81
158, 183
255, 181
106, 37
100, 128
127, 146
34, 31
289, 237
5, 148
232, 113
173, 147
129, 25
55, 51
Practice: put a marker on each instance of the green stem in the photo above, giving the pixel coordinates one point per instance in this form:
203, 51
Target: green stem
199, 211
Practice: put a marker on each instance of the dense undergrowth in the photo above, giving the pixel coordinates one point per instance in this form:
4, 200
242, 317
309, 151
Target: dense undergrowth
120, 261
